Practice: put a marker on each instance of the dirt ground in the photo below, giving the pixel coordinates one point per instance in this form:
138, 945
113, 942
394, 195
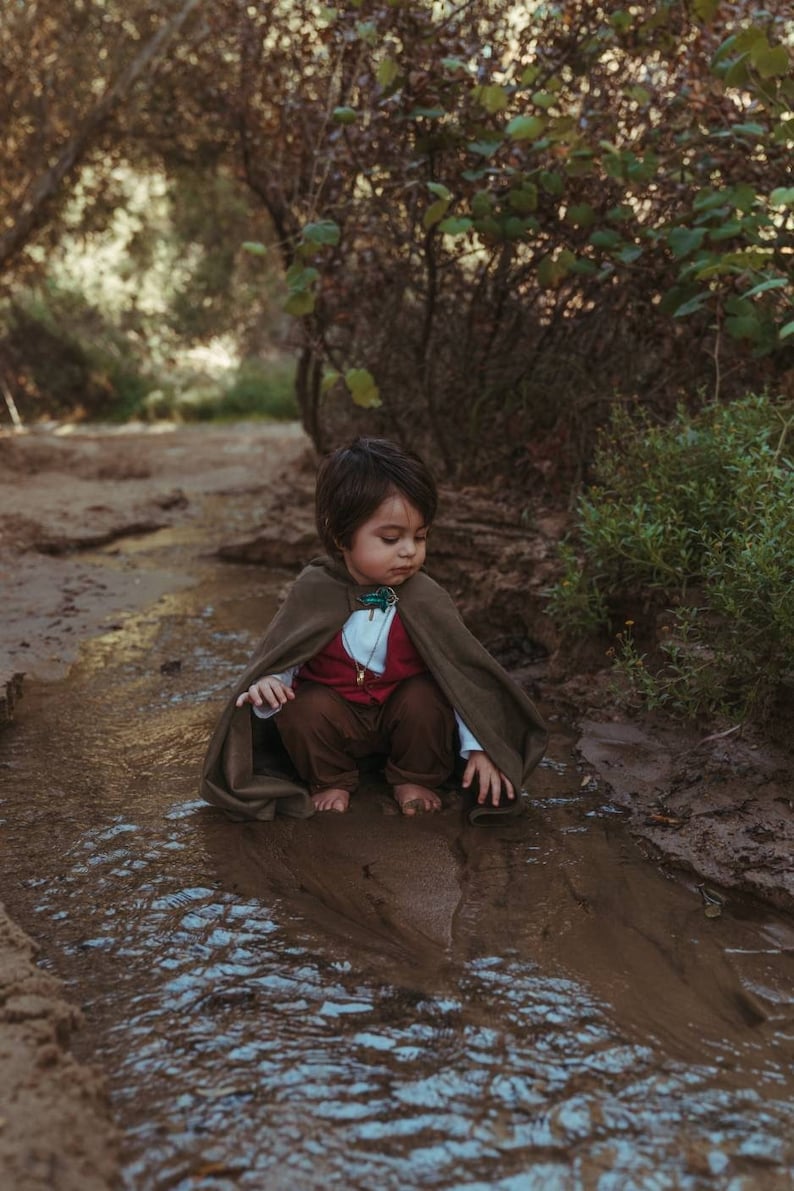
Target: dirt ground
718, 803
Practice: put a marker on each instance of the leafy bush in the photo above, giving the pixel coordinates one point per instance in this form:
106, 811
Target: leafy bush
695, 516
263, 390
257, 390
69, 358
522, 212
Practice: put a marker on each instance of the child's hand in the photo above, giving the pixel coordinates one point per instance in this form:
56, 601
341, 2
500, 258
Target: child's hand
489, 779
270, 690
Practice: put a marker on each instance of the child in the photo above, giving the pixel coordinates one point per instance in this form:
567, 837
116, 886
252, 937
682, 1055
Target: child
368, 655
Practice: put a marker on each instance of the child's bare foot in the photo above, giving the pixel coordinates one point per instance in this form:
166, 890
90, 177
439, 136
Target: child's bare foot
414, 800
331, 800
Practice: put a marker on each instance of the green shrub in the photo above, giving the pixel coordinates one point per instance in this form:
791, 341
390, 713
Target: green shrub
256, 390
262, 390
71, 358
697, 517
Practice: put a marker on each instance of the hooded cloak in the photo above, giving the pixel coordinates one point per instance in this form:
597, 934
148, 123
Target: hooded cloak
247, 772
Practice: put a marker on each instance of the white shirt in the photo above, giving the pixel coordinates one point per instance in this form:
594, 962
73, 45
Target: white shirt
365, 640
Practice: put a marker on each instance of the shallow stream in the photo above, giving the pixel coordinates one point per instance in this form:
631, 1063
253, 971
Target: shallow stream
368, 1001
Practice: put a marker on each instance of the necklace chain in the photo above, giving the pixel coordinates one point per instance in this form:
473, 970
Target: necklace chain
361, 671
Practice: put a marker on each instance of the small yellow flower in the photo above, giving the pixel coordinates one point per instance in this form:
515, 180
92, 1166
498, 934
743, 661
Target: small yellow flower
628, 622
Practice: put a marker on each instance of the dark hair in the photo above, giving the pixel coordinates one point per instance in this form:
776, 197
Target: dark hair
353, 481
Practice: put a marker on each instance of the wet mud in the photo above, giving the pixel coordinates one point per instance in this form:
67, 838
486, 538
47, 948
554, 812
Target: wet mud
366, 1000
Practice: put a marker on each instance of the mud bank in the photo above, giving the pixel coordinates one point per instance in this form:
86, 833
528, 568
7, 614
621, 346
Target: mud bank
55, 1124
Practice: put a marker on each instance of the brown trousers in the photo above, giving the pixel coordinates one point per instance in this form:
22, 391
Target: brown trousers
325, 735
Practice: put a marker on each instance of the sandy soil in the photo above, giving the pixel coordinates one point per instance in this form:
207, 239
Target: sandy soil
721, 807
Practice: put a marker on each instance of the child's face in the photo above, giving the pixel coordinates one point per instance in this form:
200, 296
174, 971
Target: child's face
389, 547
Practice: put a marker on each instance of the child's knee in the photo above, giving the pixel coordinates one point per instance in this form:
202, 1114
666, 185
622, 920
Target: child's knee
420, 701
314, 711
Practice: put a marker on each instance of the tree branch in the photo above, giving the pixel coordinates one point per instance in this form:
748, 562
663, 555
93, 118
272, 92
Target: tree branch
46, 187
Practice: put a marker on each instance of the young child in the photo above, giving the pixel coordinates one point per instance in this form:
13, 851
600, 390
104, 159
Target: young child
367, 656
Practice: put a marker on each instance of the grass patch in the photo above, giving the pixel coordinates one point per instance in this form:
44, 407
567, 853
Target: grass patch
693, 519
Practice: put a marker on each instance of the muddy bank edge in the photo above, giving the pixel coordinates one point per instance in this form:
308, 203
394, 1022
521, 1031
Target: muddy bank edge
56, 1131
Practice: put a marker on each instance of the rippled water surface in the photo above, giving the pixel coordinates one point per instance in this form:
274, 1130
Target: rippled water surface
366, 1001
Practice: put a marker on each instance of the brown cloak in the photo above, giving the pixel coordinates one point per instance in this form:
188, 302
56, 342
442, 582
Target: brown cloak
248, 774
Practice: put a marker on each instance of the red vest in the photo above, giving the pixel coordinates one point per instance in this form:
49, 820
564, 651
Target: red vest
334, 667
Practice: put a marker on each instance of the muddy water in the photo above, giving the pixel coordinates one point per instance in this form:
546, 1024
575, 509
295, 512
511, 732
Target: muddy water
367, 1001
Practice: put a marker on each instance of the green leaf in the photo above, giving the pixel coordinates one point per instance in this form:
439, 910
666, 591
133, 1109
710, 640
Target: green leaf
488, 227
640, 95
770, 62
481, 204
329, 380
782, 196
736, 305
363, 389
484, 148
254, 247
323, 231
513, 228
749, 129
705, 10
492, 97
738, 72
388, 71
743, 196
763, 286
726, 231
456, 225
605, 238
524, 200
344, 115
743, 327
747, 39
299, 278
528, 75
525, 128
691, 306
551, 270
547, 273
621, 20
581, 215
706, 200
784, 332
367, 31
552, 182
724, 49
453, 64
299, 303
544, 99
440, 190
435, 212
584, 267
420, 113
683, 240
629, 254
